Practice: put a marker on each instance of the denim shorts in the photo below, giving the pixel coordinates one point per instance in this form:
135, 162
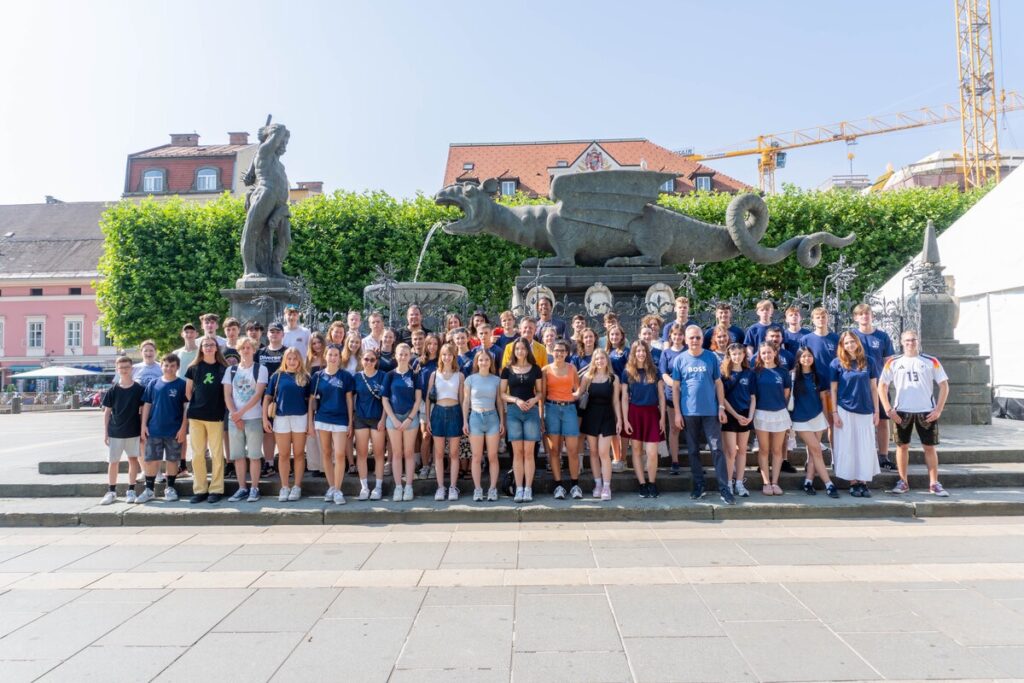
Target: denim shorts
414, 424
523, 426
561, 420
446, 421
484, 423
162, 448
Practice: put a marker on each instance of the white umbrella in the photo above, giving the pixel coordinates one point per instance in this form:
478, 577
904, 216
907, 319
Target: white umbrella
54, 371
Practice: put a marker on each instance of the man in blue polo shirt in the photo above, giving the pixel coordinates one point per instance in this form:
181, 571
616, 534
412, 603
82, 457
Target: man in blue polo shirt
697, 391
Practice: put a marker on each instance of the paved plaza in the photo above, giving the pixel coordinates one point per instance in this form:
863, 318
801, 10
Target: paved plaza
632, 601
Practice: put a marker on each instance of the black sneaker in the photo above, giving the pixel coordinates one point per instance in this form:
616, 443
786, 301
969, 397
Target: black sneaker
809, 488
214, 498
855, 490
198, 498
787, 467
698, 492
644, 492
726, 496
674, 471
885, 463
652, 490
831, 491
865, 492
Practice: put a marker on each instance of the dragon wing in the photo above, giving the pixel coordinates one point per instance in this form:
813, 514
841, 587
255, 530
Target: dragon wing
611, 199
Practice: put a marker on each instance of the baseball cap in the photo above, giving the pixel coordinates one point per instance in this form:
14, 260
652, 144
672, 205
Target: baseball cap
291, 307
188, 326
275, 326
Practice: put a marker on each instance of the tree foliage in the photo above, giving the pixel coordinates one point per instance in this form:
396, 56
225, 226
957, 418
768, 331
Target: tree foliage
165, 262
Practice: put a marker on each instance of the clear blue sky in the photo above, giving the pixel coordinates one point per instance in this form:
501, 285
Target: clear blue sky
373, 92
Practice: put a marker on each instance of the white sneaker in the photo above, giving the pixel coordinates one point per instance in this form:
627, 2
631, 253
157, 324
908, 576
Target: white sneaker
492, 494
741, 489
528, 494
130, 496
283, 496
559, 492
146, 496
108, 498
518, 498
453, 493
407, 495
618, 466
377, 493
295, 494
424, 472
606, 492
254, 494
329, 496
478, 495
339, 498
364, 494
170, 494
439, 494
576, 492
596, 493
399, 491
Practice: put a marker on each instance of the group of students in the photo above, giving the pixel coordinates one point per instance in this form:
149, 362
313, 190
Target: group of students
332, 400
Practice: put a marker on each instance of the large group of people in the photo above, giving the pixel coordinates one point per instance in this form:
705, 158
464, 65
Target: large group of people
420, 404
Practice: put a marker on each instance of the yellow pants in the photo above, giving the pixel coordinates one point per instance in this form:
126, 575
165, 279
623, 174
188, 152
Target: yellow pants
203, 435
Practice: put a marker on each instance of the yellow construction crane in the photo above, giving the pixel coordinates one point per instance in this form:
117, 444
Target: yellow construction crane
978, 130
771, 149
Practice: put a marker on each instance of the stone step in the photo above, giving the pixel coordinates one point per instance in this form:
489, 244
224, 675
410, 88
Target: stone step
951, 456
980, 475
50, 512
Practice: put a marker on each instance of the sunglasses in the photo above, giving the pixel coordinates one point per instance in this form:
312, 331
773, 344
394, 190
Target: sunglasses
370, 359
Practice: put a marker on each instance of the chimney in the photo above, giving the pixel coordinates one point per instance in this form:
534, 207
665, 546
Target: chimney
185, 139
240, 138
311, 186
50, 199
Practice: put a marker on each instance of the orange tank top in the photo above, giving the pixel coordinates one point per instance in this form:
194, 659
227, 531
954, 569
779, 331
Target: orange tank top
559, 388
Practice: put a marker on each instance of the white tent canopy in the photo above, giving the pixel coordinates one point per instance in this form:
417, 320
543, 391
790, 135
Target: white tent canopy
983, 252
54, 371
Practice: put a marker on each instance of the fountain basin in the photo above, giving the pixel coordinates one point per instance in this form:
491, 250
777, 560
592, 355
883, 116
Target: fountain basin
403, 294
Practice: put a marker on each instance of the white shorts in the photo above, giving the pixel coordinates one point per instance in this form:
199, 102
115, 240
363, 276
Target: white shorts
123, 446
815, 424
284, 424
772, 420
328, 427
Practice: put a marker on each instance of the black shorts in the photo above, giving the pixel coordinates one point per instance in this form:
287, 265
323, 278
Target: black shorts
733, 425
928, 432
881, 411
365, 423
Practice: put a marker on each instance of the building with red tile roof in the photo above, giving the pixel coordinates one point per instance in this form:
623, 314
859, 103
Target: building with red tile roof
529, 167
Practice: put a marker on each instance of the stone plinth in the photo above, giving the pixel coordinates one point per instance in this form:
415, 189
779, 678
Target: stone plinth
259, 299
623, 283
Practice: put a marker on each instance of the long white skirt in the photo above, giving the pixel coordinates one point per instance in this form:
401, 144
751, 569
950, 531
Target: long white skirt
854, 450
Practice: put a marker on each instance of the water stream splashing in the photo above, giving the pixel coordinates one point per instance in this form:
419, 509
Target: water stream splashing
423, 251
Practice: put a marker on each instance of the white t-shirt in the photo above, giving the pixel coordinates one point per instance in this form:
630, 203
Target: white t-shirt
243, 388
914, 378
370, 344
297, 338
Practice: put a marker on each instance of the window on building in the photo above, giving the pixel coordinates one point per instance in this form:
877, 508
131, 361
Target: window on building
468, 166
74, 291
153, 181
702, 182
508, 188
104, 338
73, 333
35, 337
206, 180
35, 291
669, 185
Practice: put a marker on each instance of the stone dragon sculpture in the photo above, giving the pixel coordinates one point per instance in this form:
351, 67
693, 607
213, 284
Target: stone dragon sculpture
611, 218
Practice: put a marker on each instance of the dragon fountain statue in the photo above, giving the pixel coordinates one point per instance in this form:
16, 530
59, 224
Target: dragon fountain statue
611, 218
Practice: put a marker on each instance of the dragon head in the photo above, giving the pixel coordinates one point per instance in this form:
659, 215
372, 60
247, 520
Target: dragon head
475, 202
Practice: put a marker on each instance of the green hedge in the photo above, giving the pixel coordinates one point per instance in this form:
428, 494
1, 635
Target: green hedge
165, 262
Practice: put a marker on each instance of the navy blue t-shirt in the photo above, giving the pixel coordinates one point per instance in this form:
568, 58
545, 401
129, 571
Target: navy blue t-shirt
824, 350
786, 360
641, 393
877, 347
333, 391
167, 407
581, 363
400, 389
291, 399
792, 341
618, 359
771, 386
739, 387
465, 362
668, 356
369, 391
655, 356
387, 362
755, 335
854, 391
666, 330
806, 398
736, 335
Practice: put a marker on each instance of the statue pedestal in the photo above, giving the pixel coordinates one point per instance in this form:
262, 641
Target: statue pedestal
259, 299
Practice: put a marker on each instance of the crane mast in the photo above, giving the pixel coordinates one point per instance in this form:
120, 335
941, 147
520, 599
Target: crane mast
977, 82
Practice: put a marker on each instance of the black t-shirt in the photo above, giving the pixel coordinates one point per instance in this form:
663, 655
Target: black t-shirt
522, 386
270, 359
207, 393
405, 335
125, 406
